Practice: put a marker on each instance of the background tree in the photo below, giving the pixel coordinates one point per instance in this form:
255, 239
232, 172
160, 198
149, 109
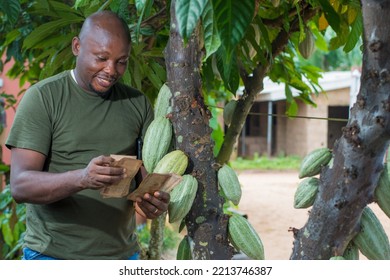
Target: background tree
204, 51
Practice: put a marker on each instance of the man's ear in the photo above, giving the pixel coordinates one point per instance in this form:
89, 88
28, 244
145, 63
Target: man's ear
75, 45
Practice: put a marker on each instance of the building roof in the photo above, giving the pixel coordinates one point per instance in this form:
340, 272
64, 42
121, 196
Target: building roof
329, 81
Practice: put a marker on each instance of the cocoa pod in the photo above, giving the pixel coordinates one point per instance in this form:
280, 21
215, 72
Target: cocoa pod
229, 184
173, 162
244, 237
156, 142
182, 198
382, 191
372, 239
313, 162
306, 192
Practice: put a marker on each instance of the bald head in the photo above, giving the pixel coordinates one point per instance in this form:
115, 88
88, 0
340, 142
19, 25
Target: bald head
102, 51
105, 21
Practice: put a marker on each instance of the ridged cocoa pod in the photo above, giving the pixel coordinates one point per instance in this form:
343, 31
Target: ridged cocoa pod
228, 111
229, 183
306, 192
382, 191
372, 240
244, 237
162, 106
337, 258
313, 162
156, 142
173, 162
351, 252
307, 46
182, 198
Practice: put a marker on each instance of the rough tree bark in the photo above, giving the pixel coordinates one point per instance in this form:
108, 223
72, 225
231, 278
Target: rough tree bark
206, 223
348, 186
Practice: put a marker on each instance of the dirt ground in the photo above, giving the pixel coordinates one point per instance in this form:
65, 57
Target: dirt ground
267, 199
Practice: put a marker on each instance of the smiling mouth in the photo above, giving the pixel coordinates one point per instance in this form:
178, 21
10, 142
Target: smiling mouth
103, 82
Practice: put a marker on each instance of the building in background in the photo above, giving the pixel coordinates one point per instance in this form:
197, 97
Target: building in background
269, 132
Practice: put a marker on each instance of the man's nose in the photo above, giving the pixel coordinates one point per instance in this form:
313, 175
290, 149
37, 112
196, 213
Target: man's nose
110, 67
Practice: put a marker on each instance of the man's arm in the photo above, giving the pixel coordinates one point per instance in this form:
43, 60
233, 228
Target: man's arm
32, 185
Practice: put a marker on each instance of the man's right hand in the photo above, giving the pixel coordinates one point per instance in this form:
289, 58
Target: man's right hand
99, 173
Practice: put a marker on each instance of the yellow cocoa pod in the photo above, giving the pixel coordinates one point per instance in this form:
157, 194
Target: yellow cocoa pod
382, 191
182, 198
313, 162
244, 237
372, 239
229, 184
173, 162
306, 192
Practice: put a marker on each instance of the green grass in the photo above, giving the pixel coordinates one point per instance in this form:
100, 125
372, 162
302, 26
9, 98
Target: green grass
265, 163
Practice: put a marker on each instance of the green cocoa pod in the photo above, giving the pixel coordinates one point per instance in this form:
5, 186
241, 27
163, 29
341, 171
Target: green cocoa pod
337, 258
306, 192
312, 163
184, 249
372, 240
307, 46
244, 237
228, 111
351, 252
156, 142
229, 184
173, 162
382, 191
182, 198
162, 106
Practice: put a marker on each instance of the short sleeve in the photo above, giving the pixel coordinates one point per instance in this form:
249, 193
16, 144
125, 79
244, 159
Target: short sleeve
31, 128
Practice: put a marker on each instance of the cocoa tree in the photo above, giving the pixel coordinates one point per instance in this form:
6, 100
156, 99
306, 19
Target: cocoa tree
212, 48
348, 186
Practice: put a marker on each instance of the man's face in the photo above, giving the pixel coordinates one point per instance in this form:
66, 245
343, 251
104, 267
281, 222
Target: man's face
101, 59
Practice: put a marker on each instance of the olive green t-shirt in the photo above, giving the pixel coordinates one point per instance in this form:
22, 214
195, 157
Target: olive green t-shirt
71, 126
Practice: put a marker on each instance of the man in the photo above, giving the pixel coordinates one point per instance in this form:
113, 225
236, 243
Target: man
64, 129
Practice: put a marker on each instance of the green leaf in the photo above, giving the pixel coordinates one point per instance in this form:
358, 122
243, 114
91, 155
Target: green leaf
227, 66
146, 7
233, 18
292, 106
188, 13
330, 14
11, 36
354, 35
11, 8
47, 29
211, 36
7, 233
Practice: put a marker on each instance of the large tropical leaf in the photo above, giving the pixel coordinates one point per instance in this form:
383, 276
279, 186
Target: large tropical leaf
47, 29
11, 8
233, 18
355, 34
188, 13
211, 36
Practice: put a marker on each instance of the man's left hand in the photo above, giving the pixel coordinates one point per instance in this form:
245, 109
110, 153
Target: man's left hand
153, 205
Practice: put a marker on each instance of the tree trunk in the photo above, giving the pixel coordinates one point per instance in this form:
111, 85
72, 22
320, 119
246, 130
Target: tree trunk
206, 223
348, 186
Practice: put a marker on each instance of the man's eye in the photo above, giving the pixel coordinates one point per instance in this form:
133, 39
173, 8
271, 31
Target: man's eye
100, 58
122, 61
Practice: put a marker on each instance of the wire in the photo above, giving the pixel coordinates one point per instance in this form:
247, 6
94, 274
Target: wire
291, 117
